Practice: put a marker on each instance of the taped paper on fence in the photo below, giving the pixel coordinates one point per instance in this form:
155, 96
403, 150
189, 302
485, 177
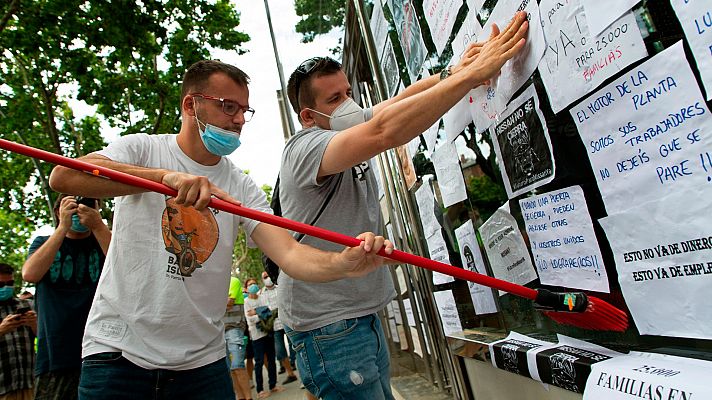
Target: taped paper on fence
562, 239
649, 376
576, 61
696, 19
663, 254
447, 309
506, 250
648, 133
567, 364
522, 144
510, 353
471, 257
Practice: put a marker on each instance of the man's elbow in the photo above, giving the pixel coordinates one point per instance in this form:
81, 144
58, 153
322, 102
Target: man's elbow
386, 134
29, 276
58, 179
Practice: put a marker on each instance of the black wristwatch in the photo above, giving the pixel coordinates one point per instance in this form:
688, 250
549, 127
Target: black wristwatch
446, 72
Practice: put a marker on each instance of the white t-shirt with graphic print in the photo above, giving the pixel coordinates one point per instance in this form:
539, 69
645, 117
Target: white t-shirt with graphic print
161, 298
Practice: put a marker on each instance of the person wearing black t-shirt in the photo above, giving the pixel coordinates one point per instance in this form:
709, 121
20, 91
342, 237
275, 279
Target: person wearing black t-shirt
66, 267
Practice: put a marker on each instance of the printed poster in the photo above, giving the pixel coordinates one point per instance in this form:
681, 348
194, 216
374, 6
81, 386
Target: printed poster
663, 254
506, 250
510, 353
379, 27
575, 61
441, 15
563, 242
490, 100
450, 179
521, 142
438, 252
568, 363
648, 134
472, 260
406, 164
696, 19
390, 69
448, 312
406, 22
649, 376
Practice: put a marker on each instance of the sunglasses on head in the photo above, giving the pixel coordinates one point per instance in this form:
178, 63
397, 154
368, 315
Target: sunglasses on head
305, 69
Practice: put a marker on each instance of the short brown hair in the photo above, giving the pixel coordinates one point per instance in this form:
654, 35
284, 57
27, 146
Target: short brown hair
299, 88
196, 77
6, 269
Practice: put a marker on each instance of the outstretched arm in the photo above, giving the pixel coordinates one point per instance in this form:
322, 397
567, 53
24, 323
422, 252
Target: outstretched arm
306, 263
399, 122
38, 263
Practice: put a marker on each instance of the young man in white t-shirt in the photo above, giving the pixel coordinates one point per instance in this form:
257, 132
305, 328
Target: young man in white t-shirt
155, 324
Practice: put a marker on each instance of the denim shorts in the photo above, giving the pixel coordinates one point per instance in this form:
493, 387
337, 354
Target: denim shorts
347, 359
235, 343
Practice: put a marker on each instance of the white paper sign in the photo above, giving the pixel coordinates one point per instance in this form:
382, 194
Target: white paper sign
663, 254
510, 353
649, 376
379, 27
440, 15
506, 250
459, 116
471, 257
521, 142
490, 100
409, 312
390, 69
563, 242
394, 330
426, 208
431, 136
601, 14
696, 19
448, 312
447, 169
438, 252
575, 61
397, 312
406, 22
413, 146
648, 133
475, 5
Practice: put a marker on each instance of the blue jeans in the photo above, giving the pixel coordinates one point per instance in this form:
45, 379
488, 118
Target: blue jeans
264, 347
280, 351
345, 360
109, 376
235, 342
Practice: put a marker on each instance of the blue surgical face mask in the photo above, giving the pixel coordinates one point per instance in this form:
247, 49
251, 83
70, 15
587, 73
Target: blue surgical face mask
77, 226
6, 292
244, 295
218, 141
253, 289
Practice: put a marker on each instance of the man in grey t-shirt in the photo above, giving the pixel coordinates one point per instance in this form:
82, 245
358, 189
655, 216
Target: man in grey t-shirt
333, 326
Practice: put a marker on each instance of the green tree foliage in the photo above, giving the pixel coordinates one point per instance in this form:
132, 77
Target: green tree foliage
319, 17
124, 58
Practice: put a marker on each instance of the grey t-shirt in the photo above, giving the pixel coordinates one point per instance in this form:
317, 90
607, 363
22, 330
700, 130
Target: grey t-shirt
353, 209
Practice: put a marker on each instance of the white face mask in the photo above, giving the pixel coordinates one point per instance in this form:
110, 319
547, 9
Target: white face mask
348, 114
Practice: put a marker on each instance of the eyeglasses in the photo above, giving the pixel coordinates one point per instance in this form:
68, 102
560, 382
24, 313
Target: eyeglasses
229, 107
6, 283
307, 67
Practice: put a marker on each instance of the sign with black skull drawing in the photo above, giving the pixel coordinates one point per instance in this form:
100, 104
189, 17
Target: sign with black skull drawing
521, 142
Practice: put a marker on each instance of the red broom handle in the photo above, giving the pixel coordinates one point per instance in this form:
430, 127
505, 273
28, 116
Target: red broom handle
315, 231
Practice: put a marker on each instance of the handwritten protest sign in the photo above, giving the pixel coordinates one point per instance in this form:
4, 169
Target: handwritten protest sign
447, 169
601, 14
406, 22
577, 62
448, 311
568, 363
510, 353
696, 19
649, 133
663, 254
438, 252
471, 257
379, 27
563, 243
649, 376
440, 15
475, 5
506, 250
490, 100
521, 142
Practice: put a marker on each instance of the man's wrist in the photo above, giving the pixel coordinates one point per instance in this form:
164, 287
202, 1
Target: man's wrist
446, 72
